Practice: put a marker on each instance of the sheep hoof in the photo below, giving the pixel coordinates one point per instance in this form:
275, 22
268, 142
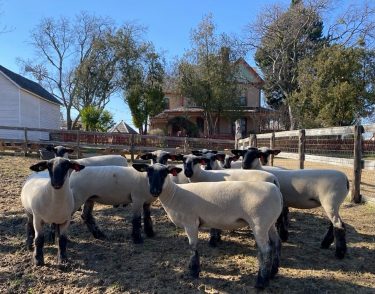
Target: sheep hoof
137, 240
150, 233
274, 271
340, 253
261, 283
62, 261
99, 235
212, 242
38, 261
29, 245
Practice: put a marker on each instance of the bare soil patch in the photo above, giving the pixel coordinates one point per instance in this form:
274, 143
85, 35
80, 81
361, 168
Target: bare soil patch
159, 264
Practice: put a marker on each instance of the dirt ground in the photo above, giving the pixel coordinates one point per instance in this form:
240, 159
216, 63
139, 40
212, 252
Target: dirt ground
159, 264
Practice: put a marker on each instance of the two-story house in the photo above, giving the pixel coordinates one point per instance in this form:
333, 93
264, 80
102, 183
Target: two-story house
180, 112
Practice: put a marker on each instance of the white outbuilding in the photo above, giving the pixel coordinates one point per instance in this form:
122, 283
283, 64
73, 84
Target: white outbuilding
24, 103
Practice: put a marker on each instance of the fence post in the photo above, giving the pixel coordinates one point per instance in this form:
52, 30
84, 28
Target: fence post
253, 140
132, 147
301, 148
25, 144
272, 146
78, 142
356, 196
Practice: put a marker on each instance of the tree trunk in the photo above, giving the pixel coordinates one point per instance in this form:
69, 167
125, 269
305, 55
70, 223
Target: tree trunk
291, 118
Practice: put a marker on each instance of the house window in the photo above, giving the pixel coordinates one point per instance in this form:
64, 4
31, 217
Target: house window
166, 102
243, 101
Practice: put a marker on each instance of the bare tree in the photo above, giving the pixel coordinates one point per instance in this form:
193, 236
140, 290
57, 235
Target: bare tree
60, 46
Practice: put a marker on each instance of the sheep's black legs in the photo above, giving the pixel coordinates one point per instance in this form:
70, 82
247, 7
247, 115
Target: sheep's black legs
339, 234
137, 226
61, 255
215, 237
147, 220
194, 264
30, 233
328, 238
90, 220
276, 251
38, 257
282, 224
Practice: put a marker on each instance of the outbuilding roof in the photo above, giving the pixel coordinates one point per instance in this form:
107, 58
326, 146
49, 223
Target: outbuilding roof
122, 127
29, 85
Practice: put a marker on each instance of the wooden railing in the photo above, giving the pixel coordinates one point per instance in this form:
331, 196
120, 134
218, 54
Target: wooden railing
83, 141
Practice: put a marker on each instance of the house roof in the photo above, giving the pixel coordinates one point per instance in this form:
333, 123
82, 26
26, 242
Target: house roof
122, 127
29, 85
254, 76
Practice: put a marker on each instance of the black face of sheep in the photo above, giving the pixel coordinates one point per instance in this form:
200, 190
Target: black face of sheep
265, 154
60, 151
229, 159
58, 169
156, 174
248, 156
189, 162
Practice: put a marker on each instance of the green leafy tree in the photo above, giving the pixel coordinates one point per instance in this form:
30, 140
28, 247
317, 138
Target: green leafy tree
144, 93
336, 88
208, 75
282, 38
96, 119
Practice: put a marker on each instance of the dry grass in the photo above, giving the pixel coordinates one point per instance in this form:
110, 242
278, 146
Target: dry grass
159, 265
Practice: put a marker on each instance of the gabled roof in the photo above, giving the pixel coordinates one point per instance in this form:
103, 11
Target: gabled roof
254, 76
122, 127
29, 85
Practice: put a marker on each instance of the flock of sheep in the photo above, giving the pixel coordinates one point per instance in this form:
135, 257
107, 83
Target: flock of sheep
215, 191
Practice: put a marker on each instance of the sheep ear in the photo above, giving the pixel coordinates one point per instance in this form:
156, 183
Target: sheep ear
196, 152
179, 157
49, 148
275, 151
220, 156
146, 156
235, 158
203, 161
238, 152
141, 167
173, 170
69, 150
40, 166
76, 166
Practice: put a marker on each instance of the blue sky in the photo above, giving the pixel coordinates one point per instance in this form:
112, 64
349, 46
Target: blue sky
168, 22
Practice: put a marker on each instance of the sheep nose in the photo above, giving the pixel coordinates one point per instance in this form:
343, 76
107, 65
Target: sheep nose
155, 191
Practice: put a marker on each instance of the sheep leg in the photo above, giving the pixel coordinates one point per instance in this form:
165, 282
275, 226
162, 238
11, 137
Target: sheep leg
215, 237
282, 224
137, 226
339, 234
276, 251
338, 229
63, 240
30, 232
90, 220
264, 257
328, 238
147, 221
38, 257
194, 264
